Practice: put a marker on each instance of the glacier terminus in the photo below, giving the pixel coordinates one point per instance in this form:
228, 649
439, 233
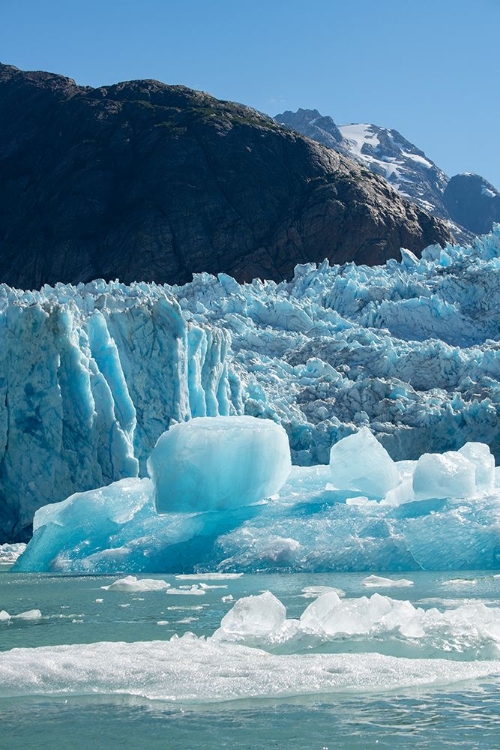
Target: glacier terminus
403, 357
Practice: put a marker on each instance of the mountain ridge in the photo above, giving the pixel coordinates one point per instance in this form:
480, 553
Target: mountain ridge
145, 181
407, 169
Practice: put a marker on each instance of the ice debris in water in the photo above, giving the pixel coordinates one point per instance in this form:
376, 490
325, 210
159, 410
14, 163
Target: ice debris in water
438, 513
253, 616
10, 552
190, 591
30, 614
218, 464
132, 584
472, 629
381, 582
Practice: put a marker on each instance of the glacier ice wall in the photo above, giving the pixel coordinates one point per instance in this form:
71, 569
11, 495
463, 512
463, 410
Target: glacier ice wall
90, 376
89, 379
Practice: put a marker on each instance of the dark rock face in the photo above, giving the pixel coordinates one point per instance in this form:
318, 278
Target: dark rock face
144, 181
473, 202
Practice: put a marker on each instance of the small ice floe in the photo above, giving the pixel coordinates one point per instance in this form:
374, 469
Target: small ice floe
228, 598
191, 591
124, 605
460, 582
207, 586
162, 622
99, 601
132, 584
30, 614
207, 576
381, 582
312, 592
191, 607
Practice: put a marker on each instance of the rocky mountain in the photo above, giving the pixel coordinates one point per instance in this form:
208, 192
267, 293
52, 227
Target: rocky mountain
472, 201
145, 181
468, 203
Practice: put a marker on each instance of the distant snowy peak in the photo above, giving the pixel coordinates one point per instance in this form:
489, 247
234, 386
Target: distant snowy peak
407, 169
402, 164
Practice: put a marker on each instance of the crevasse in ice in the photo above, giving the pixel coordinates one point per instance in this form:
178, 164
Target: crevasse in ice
91, 376
436, 517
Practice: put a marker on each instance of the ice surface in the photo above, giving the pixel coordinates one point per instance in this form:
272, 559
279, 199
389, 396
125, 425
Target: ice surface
361, 464
131, 584
90, 376
218, 463
188, 670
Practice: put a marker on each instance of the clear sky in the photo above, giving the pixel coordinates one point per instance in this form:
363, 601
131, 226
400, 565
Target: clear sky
428, 68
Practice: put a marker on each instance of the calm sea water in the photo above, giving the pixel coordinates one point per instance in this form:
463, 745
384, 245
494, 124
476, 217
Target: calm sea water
142, 690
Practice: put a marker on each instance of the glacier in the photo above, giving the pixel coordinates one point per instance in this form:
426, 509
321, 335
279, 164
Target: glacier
315, 521
91, 375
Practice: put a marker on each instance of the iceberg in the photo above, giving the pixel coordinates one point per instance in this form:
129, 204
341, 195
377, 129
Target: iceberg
450, 522
218, 464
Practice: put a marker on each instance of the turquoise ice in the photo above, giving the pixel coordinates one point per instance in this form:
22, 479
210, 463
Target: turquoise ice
436, 517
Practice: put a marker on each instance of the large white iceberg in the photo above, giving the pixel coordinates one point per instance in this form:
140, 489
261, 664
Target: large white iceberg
218, 464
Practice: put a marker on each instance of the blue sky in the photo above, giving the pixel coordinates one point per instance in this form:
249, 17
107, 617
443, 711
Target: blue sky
428, 68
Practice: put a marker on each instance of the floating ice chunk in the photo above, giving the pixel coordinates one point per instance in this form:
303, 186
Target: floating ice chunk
4, 616
441, 475
193, 591
381, 582
461, 582
253, 616
310, 592
30, 614
218, 463
480, 455
207, 576
360, 463
132, 584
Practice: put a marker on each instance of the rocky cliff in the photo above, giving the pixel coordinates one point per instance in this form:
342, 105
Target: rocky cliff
145, 181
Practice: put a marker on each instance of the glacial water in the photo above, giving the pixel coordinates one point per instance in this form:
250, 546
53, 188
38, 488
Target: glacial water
140, 669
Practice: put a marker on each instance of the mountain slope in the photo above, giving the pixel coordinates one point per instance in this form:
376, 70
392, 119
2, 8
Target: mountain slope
145, 181
407, 169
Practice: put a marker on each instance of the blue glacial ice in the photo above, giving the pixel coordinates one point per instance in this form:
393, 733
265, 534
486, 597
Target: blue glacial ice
436, 513
92, 375
218, 464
